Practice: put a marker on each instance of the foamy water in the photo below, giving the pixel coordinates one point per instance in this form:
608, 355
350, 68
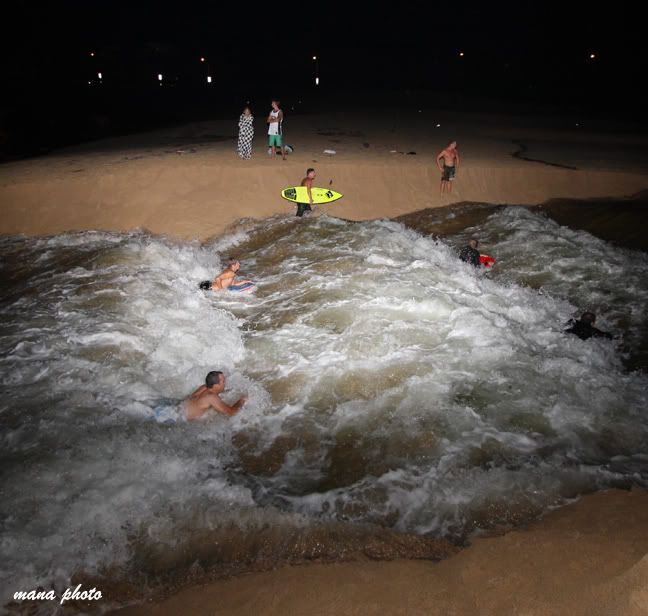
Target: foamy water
388, 384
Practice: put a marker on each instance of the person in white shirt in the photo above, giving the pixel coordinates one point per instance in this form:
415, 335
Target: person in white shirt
275, 119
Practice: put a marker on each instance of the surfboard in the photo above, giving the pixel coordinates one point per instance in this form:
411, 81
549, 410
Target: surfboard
244, 287
486, 260
299, 194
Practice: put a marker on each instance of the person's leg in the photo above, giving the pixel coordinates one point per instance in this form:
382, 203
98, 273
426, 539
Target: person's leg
301, 208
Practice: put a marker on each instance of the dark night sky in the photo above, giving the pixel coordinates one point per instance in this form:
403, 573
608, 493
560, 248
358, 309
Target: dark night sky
536, 53
404, 44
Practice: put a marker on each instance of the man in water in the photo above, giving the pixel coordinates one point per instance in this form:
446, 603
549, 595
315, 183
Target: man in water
225, 278
450, 158
275, 121
584, 327
470, 254
308, 183
207, 397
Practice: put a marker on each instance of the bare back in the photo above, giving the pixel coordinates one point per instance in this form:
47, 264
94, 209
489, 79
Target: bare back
201, 400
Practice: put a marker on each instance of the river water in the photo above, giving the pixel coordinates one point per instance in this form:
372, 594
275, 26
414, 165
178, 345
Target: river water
390, 386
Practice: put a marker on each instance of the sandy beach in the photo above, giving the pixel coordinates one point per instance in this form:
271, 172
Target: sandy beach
590, 557
188, 182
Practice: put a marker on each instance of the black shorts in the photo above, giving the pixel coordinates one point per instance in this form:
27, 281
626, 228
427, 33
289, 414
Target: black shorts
448, 173
303, 207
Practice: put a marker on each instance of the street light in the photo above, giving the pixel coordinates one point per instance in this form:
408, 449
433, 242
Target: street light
316, 70
203, 59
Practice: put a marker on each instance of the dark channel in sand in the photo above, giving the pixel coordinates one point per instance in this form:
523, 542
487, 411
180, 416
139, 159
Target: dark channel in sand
623, 222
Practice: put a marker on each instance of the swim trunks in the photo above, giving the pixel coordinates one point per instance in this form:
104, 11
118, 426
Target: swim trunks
302, 208
448, 173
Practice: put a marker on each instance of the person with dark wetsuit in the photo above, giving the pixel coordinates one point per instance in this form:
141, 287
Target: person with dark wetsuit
470, 254
584, 328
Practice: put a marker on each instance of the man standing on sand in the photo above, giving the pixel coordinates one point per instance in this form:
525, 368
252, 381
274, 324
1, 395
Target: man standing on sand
207, 397
308, 183
225, 278
275, 120
470, 254
450, 157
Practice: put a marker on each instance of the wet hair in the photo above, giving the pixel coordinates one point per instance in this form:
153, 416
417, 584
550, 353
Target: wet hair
309, 170
206, 285
474, 239
588, 317
213, 378
276, 100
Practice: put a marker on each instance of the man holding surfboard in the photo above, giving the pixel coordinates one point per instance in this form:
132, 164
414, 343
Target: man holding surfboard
308, 183
275, 120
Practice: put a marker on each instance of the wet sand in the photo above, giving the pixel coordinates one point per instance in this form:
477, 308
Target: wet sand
588, 558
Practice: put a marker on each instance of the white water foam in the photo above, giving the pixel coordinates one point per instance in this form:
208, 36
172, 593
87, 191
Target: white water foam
388, 382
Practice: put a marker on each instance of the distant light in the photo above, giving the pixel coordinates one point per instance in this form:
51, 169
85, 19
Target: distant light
99, 75
316, 81
461, 54
438, 125
159, 76
92, 53
314, 57
202, 59
89, 83
592, 56
208, 79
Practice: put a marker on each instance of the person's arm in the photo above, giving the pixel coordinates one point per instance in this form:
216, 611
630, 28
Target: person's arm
438, 158
309, 185
456, 160
601, 334
219, 406
280, 116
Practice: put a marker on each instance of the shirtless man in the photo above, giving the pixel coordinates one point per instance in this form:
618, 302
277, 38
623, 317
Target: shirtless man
226, 278
450, 157
207, 397
308, 182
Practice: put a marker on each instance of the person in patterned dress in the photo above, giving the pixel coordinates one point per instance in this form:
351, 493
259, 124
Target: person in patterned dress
246, 134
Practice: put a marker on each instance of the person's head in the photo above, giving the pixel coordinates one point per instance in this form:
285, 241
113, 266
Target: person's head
588, 318
452, 145
215, 380
247, 111
310, 173
473, 243
275, 104
234, 265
